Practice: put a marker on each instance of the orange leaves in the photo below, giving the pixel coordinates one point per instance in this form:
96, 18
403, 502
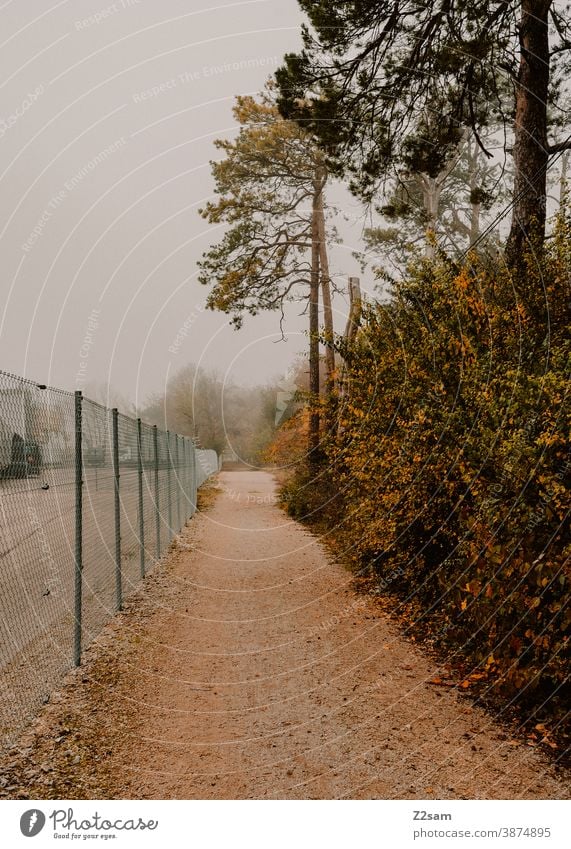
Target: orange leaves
545, 734
474, 587
453, 461
465, 684
462, 281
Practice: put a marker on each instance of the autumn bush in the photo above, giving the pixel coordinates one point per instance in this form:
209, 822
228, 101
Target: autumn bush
307, 491
450, 462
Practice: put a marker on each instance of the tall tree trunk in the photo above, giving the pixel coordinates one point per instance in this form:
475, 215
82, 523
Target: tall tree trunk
563, 181
475, 205
530, 132
355, 309
313, 439
431, 192
351, 329
325, 286
475, 223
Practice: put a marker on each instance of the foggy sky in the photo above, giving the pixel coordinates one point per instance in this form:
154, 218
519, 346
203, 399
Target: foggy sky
108, 112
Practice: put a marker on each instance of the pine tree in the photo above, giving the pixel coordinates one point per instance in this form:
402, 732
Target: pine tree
271, 185
371, 71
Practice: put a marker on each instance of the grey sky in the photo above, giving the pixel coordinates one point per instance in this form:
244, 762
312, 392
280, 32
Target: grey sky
107, 116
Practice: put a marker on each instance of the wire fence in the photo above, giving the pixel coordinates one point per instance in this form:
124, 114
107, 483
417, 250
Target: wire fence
90, 501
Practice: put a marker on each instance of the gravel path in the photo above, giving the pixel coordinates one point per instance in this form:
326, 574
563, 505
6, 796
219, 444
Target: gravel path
251, 669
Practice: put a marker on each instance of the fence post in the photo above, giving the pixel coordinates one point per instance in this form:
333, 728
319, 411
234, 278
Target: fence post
157, 507
169, 480
178, 483
117, 499
78, 529
182, 476
192, 476
194, 479
141, 501
186, 480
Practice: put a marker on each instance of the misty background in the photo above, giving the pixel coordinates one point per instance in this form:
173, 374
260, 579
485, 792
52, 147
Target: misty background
108, 113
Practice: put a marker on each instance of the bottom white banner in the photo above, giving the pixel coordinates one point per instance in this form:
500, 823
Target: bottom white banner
253, 824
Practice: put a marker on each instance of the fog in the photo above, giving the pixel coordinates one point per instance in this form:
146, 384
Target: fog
107, 118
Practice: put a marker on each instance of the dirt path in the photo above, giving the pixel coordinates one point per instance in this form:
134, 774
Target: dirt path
256, 672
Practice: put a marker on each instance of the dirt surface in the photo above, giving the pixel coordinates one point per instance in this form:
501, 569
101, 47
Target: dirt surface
249, 668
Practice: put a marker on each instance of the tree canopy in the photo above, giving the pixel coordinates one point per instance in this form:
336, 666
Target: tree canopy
265, 184
271, 195
372, 75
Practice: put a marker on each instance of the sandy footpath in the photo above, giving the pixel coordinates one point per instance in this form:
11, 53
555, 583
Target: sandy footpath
249, 668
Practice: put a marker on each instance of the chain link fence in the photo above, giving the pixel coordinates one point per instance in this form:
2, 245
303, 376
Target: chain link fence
90, 501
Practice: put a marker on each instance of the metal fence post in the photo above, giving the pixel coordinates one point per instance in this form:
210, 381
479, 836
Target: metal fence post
78, 530
186, 479
182, 483
191, 477
141, 501
157, 506
194, 496
196, 475
169, 483
178, 484
117, 500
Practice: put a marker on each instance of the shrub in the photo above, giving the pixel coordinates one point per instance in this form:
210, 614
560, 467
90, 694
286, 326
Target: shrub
450, 463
